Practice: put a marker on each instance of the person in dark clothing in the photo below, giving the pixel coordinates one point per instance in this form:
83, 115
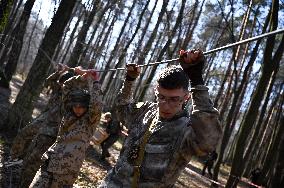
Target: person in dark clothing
209, 162
113, 129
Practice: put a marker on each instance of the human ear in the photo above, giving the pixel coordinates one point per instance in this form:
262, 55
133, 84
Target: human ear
187, 96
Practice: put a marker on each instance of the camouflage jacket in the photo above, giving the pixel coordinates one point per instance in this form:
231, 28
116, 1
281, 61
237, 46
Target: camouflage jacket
66, 155
172, 143
56, 93
54, 110
46, 123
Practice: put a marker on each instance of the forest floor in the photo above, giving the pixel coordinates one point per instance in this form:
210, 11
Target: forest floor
94, 169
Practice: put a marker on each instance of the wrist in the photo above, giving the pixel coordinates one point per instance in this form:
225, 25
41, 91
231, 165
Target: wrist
195, 77
195, 82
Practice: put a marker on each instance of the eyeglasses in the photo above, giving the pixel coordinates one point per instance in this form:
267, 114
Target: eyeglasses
172, 101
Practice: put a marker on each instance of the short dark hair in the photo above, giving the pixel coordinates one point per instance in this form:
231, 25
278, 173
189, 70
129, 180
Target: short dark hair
173, 77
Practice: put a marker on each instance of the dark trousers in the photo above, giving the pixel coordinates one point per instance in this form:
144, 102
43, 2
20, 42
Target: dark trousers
107, 144
209, 167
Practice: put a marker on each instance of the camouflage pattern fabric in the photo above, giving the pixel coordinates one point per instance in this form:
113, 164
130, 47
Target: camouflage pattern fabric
25, 137
40, 134
51, 116
66, 155
172, 143
45, 179
56, 93
32, 161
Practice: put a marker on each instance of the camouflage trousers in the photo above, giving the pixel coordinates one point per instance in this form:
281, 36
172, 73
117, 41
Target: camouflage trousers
25, 136
32, 160
45, 179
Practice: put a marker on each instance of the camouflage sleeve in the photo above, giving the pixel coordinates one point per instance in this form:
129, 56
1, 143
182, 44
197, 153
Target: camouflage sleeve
52, 79
125, 107
96, 104
205, 131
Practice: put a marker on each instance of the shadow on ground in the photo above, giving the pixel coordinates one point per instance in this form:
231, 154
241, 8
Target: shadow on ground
94, 157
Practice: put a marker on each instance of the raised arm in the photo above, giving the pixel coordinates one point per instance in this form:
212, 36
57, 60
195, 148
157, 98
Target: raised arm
96, 104
52, 79
205, 118
125, 107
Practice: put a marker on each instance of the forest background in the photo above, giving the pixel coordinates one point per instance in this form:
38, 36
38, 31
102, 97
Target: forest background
245, 82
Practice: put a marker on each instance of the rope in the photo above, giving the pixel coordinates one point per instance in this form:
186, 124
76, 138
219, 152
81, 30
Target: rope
208, 52
176, 59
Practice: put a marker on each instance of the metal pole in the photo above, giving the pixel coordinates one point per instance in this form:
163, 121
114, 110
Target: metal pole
208, 52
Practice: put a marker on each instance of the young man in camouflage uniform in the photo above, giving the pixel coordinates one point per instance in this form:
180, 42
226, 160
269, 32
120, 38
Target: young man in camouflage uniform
64, 158
162, 137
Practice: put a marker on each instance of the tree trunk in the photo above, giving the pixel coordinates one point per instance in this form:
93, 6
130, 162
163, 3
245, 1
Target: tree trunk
263, 125
144, 70
5, 6
191, 29
29, 43
124, 51
172, 34
101, 15
18, 33
269, 65
117, 43
236, 99
151, 39
21, 111
260, 119
100, 47
77, 50
261, 146
8, 26
71, 38
148, 46
234, 60
274, 146
143, 33
278, 179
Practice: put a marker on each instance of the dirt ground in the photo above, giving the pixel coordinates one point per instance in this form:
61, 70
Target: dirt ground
94, 169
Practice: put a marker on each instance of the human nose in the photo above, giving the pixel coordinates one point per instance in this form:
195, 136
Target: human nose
165, 103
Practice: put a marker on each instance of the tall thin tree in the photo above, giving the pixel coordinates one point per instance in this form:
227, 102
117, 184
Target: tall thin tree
18, 34
21, 111
270, 64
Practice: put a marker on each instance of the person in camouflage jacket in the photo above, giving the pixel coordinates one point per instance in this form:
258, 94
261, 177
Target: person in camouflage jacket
162, 136
64, 158
51, 116
46, 134
34, 139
